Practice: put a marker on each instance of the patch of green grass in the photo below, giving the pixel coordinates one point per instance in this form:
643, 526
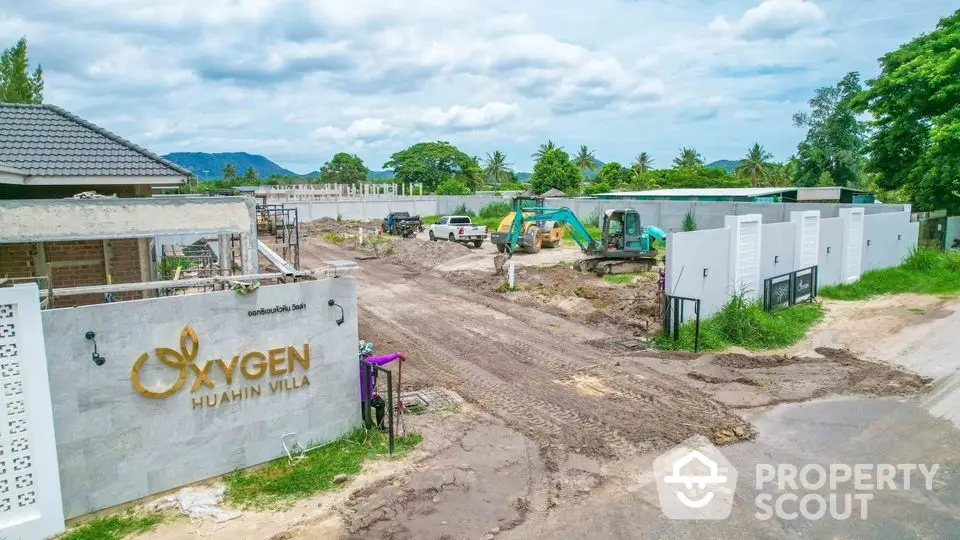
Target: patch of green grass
497, 210
114, 527
335, 238
620, 279
925, 271
505, 287
281, 480
747, 325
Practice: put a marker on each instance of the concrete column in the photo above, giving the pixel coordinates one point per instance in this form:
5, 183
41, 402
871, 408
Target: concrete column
249, 260
146, 268
225, 254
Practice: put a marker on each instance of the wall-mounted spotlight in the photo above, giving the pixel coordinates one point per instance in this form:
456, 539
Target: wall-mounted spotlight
706, 272
97, 359
331, 303
868, 242
776, 259
828, 249
899, 237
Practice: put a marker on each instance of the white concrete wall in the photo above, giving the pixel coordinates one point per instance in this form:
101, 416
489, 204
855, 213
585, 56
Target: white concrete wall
668, 215
887, 239
116, 444
778, 251
891, 237
698, 266
363, 209
830, 252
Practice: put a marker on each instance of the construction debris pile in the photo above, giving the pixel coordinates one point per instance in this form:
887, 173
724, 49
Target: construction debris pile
632, 307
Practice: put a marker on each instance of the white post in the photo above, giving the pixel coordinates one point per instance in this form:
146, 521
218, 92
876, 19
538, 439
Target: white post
510, 273
360, 235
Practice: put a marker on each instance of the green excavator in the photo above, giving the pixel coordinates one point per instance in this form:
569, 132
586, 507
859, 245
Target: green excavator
624, 245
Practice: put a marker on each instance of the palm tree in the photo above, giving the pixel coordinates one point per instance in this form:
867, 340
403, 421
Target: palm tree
643, 163
688, 157
544, 148
496, 167
585, 160
755, 165
782, 174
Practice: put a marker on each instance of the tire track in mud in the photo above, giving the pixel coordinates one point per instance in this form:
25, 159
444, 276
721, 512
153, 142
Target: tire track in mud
500, 356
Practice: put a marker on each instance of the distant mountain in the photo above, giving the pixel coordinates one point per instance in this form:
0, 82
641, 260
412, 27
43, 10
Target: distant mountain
380, 175
206, 165
728, 165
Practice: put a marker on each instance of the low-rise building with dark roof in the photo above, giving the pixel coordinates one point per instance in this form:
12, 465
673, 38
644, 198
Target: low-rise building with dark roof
47, 152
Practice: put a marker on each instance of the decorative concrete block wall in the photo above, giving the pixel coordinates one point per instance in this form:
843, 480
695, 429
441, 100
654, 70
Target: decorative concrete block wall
745, 242
197, 386
30, 504
851, 259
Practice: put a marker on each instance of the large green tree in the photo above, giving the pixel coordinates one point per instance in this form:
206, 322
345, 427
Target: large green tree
344, 168
755, 165
915, 108
688, 158
251, 175
585, 160
496, 169
17, 85
555, 170
433, 162
836, 139
229, 171
614, 175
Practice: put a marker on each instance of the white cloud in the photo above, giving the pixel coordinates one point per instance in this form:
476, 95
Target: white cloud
363, 129
299, 80
461, 117
772, 19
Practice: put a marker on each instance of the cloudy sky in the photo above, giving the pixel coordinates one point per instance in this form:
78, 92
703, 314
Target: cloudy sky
297, 80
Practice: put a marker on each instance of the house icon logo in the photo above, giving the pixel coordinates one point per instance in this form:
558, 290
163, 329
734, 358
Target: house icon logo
695, 481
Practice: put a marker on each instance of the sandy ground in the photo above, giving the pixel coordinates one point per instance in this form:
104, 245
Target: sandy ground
558, 408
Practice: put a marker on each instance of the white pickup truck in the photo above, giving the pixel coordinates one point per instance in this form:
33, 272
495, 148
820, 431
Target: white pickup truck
458, 229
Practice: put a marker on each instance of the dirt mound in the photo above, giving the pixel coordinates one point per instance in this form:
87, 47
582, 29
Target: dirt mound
582, 296
322, 226
416, 253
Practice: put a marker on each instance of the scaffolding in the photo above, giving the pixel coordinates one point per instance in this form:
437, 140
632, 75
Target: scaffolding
281, 225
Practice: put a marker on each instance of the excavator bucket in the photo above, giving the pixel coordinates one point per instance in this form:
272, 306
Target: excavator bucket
499, 261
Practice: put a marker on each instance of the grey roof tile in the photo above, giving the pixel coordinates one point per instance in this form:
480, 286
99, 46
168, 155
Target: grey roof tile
45, 140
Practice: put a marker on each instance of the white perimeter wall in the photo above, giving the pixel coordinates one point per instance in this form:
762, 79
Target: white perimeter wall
887, 239
891, 237
668, 215
116, 445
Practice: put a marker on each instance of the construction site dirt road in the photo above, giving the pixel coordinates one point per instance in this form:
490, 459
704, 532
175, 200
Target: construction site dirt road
575, 410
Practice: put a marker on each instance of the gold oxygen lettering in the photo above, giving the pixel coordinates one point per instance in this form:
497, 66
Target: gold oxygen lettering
259, 367
294, 355
276, 361
201, 376
228, 369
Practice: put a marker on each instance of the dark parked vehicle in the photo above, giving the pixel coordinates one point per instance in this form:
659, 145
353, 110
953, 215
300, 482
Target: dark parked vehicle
402, 224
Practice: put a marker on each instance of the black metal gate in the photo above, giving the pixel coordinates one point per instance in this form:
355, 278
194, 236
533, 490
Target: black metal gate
789, 289
673, 314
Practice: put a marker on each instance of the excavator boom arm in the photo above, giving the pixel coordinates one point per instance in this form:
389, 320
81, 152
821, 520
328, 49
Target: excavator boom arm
562, 215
